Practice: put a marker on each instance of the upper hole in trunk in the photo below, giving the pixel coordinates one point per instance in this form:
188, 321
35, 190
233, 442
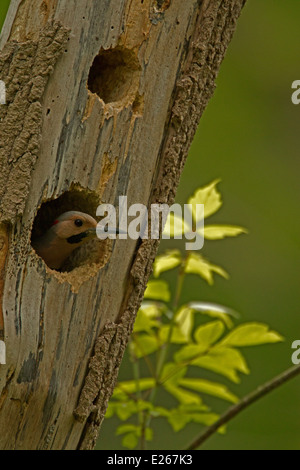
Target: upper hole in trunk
114, 76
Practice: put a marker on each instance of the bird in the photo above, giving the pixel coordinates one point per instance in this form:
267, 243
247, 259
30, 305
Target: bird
67, 232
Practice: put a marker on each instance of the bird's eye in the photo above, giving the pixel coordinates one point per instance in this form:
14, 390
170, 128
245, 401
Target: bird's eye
78, 223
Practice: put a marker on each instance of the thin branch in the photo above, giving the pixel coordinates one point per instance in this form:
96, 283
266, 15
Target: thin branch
145, 357
243, 404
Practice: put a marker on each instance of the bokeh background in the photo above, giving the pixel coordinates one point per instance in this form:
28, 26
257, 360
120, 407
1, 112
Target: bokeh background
249, 137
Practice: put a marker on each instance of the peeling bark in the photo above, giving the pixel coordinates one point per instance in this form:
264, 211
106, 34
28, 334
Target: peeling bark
103, 99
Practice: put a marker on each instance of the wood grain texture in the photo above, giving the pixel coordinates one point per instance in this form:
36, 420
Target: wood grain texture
66, 333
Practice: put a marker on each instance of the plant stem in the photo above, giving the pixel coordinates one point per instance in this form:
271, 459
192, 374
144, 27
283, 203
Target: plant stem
179, 286
165, 349
150, 367
137, 376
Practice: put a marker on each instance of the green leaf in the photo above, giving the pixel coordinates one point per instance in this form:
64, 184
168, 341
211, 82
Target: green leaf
179, 417
218, 232
225, 361
208, 419
158, 290
151, 309
215, 311
184, 319
208, 334
170, 260
148, 434
125, 409
196, 264
130, 440
209, 196
210, 388
172, 373
183, 396
133, 430
177, 336
127, 388
144, 345
183, 327
111, 409
175, 227
190, 353
125, 428
142, 405
132, 433
205, 336
251, 334
160, 411
145, 322
179, 420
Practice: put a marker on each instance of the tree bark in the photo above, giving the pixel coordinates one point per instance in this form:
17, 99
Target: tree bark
103, 100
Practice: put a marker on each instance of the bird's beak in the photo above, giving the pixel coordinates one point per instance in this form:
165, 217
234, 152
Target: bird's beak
91, 232
117, 231
111, 231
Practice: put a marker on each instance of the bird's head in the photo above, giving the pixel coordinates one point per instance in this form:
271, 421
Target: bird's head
74, 227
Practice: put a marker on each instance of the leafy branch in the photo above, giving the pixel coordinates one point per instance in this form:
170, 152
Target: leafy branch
173, 342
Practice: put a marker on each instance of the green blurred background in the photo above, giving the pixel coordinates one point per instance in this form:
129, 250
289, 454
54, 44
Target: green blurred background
248, 137
4, 4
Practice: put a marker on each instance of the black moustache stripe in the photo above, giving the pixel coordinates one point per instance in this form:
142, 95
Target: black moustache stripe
77, 238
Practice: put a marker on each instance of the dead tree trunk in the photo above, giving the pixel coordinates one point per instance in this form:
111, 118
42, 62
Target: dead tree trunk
103, 99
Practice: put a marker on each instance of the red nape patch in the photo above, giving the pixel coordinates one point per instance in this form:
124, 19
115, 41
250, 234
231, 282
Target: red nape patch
55, 222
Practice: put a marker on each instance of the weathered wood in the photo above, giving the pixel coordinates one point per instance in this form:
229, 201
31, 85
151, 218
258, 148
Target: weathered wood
103, 99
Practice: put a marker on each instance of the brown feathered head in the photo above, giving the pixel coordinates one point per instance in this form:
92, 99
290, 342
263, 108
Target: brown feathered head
74, 226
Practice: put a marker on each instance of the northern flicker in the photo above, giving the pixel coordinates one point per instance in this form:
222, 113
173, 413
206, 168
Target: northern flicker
69, 231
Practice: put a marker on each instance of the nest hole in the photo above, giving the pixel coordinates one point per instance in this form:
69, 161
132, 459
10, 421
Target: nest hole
115, 75
89, 257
